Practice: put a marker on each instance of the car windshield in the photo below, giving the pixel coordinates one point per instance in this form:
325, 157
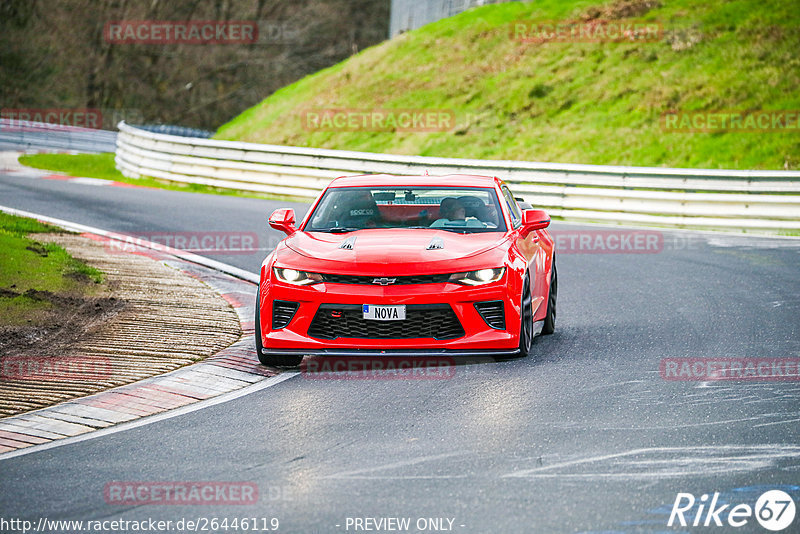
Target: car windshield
463, 210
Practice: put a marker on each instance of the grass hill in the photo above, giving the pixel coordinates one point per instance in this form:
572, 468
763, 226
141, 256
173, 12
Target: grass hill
571, 102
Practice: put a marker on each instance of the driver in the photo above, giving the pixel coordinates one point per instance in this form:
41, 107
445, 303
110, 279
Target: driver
452, 209
453, 213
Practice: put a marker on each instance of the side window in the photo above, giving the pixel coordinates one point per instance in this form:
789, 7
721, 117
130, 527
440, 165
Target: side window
513, 207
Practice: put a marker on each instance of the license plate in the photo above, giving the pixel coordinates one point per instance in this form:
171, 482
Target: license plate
384, 313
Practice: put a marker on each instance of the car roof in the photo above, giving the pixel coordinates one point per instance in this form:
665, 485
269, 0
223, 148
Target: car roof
389, 180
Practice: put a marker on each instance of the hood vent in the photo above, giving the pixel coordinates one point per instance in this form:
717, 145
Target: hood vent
348, 243
436, 244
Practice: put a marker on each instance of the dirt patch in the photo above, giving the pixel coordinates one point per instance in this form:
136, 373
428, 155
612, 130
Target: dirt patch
151, 319
67, 319
621, 9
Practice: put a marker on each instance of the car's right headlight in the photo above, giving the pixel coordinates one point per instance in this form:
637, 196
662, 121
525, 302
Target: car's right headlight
479, 277
298, 278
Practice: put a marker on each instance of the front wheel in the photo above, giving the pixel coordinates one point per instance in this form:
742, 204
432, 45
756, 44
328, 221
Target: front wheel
526, 320
550, 319
265, 359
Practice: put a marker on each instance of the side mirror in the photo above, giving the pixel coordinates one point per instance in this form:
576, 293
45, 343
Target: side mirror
534, 220
283, 220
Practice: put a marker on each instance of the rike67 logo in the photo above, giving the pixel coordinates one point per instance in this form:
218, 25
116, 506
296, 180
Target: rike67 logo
774, 510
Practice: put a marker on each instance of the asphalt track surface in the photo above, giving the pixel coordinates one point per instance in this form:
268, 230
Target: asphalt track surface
583, 436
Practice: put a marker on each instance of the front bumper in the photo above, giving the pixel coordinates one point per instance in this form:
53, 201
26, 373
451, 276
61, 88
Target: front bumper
419, 353
479, 338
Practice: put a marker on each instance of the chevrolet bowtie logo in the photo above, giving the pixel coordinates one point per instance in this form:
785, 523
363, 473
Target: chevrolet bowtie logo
384, 281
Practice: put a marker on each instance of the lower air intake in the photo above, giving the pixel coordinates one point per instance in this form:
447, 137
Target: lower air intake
437, 321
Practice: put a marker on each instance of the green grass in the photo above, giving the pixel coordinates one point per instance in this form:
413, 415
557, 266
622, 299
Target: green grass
102, 166
597, 103
83, 165
30, 271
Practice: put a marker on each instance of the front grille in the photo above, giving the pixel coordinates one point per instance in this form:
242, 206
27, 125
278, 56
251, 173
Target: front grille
282, 313
398, 280
437, 321
493, 313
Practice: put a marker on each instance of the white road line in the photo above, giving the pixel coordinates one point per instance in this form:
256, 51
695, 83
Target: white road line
777, 423
394, 465
704, 452
91, 181
122, 427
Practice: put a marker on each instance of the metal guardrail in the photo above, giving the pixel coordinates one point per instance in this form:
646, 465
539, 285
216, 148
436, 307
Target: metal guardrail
763, 200
29, 135
169, 129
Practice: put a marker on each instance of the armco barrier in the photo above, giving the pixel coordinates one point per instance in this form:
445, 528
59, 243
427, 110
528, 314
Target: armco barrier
35, 136
758, 200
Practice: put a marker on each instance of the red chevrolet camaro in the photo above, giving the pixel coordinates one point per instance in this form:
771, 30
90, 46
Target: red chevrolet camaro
397, 265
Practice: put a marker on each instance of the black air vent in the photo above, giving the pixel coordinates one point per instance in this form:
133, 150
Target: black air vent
282, 313
493, 313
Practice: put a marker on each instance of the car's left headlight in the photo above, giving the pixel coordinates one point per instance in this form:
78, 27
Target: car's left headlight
298, 278
479, 277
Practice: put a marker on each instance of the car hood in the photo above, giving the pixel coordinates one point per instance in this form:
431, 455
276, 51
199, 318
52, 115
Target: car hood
391, 251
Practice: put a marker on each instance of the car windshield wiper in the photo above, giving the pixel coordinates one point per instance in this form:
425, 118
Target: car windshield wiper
456, 230
341, 229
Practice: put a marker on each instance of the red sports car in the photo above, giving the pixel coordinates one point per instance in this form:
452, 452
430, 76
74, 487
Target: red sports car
407, 265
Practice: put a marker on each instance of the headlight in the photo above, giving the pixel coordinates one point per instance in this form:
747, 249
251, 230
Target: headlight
298, 278
477, 278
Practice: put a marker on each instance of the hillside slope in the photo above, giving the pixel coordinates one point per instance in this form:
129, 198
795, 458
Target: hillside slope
578, 102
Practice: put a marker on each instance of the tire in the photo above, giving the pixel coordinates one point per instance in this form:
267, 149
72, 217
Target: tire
270, 360
550, 319
526, 319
